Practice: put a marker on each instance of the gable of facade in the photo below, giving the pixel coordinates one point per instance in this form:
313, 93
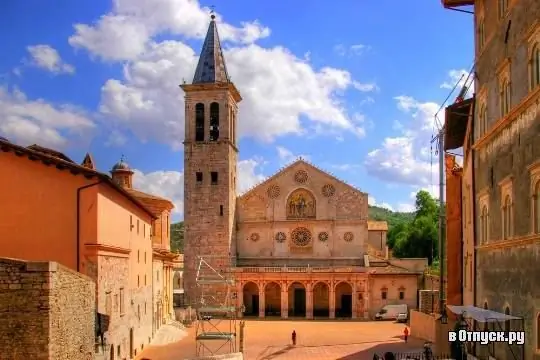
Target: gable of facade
302, 212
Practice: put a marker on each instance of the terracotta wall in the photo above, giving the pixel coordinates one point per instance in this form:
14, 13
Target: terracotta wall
468, 232
392, 283
40, 223
453, 232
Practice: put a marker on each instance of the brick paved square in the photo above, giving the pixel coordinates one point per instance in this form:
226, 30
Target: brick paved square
316, 340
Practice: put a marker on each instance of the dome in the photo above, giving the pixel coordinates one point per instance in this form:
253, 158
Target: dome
121, 165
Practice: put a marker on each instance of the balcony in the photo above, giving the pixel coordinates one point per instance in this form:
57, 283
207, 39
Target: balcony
456, 3
300, 269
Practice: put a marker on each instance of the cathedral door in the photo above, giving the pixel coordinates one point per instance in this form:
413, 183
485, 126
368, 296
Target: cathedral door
255, 304
346, 305
299, 302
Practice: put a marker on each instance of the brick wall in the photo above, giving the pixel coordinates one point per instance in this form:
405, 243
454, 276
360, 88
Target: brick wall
46, 312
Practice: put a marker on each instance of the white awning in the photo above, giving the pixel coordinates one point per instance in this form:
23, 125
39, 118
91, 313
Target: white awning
481, 315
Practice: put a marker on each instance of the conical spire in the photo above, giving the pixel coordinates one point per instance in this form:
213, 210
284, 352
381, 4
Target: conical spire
211, 67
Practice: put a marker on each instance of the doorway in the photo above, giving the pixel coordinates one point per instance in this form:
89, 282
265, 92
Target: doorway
299, 302
255, 305
346, 305
131, 343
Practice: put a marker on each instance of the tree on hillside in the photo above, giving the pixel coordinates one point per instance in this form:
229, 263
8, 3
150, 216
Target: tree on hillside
419, 238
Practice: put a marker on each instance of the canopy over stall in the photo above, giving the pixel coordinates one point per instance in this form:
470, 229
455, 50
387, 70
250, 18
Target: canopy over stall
481, 315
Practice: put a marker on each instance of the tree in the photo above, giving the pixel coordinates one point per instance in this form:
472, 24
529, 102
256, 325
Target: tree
418, 238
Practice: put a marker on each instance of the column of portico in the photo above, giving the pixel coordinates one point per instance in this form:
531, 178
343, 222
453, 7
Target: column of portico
332, 299
261, 299
239, 298
309, 301
354, 301
367, 298
284, 300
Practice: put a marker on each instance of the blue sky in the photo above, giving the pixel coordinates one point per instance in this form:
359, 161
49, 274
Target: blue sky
353, 88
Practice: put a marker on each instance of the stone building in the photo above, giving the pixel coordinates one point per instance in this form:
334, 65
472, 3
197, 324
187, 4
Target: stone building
300, 243
503, 152
81, 218
47, 312
162, 257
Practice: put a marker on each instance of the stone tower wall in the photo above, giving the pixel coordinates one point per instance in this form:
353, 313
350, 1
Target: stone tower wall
209, 209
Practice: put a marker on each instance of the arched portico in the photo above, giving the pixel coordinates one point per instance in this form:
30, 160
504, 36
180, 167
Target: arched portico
321, 300
344, 300
272, 299
250, 293
297, 300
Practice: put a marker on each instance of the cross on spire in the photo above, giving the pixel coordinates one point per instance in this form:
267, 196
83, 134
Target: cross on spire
212, 12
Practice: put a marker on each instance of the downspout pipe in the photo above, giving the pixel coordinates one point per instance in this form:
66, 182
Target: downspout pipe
78, 247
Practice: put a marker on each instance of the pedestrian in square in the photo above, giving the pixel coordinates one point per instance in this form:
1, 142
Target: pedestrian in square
293, 337
406, 333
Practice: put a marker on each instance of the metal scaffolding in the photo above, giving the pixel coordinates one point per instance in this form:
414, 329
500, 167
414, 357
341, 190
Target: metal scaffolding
215, 306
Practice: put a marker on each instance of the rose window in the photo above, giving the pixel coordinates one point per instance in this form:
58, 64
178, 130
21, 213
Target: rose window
323, 236
273, 191
348, 236
281, 237
254, 237
301, 176
328, 190
301, 236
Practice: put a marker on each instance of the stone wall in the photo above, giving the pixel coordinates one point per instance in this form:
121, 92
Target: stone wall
428, 301
507, 266
46, 312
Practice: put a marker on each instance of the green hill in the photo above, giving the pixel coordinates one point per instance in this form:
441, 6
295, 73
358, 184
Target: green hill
375, 213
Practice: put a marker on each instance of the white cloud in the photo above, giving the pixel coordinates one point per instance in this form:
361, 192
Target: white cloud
351, 50
461, 78
407, 158
286, 156
373, 202
36, 121
46, 57
170, 184
125, 32
148, 102
405, 208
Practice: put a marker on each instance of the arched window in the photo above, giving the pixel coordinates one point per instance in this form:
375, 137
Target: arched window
534, 64
507, 322
536, 208
483, 125
503, 7
505, 97
538, 331
484, 225
507, 218
199, 122
214, 121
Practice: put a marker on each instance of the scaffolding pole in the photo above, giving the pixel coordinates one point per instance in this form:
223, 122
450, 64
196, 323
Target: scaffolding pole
216, 331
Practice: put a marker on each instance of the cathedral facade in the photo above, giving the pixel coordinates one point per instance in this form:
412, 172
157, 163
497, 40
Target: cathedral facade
299, 244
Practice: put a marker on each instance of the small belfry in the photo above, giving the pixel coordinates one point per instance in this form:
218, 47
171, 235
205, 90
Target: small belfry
210, 160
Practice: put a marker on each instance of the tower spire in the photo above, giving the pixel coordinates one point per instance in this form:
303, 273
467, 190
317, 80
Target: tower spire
211, 67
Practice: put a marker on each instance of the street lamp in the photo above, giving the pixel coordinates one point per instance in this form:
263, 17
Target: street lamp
444, 316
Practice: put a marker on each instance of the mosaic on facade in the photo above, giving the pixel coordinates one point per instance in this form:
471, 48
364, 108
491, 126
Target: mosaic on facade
301, 204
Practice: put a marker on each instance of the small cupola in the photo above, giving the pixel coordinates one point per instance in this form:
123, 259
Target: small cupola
122, 174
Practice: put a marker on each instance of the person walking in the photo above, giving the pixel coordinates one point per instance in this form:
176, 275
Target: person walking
406, 333
293, 337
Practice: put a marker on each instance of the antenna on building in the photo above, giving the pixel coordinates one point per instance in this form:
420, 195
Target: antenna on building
212, 12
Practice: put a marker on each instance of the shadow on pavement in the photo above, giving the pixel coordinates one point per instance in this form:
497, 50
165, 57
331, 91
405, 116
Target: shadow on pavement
381, 349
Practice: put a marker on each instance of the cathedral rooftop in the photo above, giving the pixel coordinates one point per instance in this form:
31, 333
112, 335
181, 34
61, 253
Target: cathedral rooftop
211, 67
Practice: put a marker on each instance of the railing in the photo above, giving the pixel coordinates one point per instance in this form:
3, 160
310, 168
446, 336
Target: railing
298, 269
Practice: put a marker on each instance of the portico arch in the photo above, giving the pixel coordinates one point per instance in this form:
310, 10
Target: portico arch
272, 299
297, 299
344, 300
250, 293
321, 300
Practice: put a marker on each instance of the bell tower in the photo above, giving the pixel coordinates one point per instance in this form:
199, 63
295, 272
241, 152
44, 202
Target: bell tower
210, 161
